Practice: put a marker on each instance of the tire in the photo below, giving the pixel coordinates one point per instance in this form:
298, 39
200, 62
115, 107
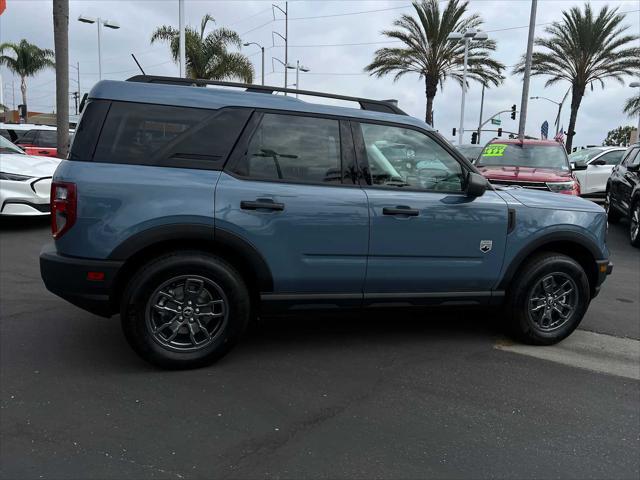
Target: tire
529, 285
164, 299
613, 216
634, 224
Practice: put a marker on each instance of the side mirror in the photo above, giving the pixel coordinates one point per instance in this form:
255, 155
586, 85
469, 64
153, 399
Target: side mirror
574, 166
476, 185
598, 162
634, 167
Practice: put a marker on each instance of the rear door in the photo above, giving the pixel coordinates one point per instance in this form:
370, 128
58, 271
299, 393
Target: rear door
47, 143
599, 171
428, 239
28, 142
627, 179
290, 190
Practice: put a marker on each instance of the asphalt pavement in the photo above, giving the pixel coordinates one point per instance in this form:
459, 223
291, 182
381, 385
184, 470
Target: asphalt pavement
386, 396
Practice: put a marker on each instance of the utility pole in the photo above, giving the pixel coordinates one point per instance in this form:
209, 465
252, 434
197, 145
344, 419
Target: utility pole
182, 53
286, 36
527, 70
481, 109
61, 42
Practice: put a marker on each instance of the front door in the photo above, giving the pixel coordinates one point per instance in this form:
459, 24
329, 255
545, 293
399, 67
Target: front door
427, 236
289, 191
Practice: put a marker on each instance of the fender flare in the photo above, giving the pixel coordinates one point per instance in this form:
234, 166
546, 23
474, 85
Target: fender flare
216, 238
552, 237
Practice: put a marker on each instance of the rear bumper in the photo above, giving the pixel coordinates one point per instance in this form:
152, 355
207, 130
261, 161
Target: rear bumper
68, 278
605, 267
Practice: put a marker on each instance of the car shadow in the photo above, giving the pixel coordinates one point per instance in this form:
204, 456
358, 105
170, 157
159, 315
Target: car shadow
10, 223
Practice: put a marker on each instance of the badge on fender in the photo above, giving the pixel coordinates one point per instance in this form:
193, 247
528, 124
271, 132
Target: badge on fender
486, 245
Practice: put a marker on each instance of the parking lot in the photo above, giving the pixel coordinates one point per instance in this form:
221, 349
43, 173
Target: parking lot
389, 395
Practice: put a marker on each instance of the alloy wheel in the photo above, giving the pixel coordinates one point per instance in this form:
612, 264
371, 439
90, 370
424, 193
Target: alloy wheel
552, 301
186, 313
634, 227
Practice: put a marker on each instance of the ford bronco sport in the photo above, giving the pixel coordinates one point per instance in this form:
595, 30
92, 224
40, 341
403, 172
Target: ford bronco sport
189, 210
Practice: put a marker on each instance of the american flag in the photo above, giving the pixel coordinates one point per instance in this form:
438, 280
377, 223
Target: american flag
560, 135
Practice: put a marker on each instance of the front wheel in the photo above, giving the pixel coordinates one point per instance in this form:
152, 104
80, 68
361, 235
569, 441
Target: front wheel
185, 310
548, 299
634, 224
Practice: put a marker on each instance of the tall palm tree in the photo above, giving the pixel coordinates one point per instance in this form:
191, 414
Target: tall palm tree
584, 49
207, 56
427, 52
27, 60
632, 106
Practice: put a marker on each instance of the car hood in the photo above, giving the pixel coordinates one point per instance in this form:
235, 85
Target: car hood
524, 174
28, 165
554, 201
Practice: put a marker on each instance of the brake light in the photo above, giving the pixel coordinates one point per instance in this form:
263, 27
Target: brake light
64, 206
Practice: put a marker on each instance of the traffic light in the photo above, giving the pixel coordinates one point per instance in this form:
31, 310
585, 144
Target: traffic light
474, 137
454, 132
513, 112
500, 132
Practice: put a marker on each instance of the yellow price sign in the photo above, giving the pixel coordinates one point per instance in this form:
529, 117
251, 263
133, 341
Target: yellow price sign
494, 150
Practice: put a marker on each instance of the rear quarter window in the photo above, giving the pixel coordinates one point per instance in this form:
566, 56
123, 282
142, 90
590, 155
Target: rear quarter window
168, 136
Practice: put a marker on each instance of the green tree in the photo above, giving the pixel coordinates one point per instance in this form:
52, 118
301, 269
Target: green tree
584, 49
428, 53
632, 106
208, 56
26, 60
618, 136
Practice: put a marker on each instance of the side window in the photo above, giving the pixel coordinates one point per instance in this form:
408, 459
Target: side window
47, 139
293, 148
401, 157
169, 136
28, 138
632, 157
612, 158
88, 130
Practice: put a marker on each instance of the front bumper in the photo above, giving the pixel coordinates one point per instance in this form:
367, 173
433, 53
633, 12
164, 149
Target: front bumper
605, 267
25, 198
71, 279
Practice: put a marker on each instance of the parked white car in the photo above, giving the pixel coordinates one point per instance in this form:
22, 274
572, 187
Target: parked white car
593, 169
25, 181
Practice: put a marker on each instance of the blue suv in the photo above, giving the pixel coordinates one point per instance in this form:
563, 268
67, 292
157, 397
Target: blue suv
190, 210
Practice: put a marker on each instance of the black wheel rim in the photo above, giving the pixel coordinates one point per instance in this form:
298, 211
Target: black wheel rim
552, 302
634, 227
607, 202
186, 313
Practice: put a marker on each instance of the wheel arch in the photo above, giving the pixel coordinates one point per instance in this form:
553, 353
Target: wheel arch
581, 249
154, 242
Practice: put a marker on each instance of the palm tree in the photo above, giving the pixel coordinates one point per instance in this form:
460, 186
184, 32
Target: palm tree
27, 61
584, 49
427, 52
632, 106
207, 56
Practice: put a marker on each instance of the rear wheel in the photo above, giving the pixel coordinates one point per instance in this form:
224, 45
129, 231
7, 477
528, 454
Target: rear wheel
548, 299
185, 310
634, 224
612, 215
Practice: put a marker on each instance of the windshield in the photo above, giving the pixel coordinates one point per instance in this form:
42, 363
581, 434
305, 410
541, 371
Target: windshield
7, 147
581, 157
516, 155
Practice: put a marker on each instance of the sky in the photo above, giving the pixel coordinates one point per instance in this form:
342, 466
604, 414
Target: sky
335, 39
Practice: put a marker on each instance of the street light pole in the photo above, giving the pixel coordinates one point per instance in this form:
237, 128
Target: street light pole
286, 35
182, 47
298, 68
559, 104
262, 49
481, 111
98, 21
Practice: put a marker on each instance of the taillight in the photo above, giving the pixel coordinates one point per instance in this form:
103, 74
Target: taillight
64, 203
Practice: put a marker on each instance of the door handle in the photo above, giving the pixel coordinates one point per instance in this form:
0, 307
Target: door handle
43, 152
401, 210
261, 204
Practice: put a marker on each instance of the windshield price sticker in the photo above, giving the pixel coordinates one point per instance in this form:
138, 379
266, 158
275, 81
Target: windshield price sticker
494, 150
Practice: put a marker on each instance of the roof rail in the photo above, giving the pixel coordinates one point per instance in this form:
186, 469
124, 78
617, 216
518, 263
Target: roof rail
386, 106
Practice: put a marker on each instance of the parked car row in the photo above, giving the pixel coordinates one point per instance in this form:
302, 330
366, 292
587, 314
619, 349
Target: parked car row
610, 174
38, 140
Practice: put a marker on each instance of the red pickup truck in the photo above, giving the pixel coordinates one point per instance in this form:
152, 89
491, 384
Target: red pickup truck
536, 164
